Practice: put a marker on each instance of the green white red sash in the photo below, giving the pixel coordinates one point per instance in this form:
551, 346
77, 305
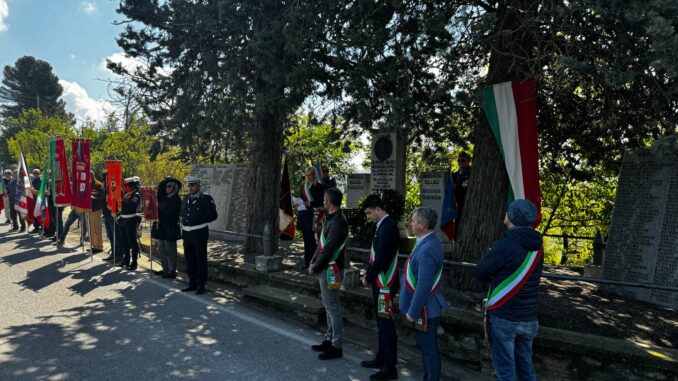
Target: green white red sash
421, 323
306, 192
332, 272
385, 281
510, 286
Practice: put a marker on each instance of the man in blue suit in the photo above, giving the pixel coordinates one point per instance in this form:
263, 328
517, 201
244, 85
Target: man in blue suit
420, 298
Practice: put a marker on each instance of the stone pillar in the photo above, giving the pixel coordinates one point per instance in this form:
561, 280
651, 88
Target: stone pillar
357, 188
431, 194
388, 162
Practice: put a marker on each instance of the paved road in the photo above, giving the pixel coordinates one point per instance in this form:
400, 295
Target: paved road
64, 316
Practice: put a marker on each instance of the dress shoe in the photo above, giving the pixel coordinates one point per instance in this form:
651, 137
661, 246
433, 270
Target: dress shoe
385, 374
189, 288
158, 272
22, 230
53, 238
169, 276
372, 364
322, 347
200, 291
132, 267
14, 229
331, 353
97, 250
34, 231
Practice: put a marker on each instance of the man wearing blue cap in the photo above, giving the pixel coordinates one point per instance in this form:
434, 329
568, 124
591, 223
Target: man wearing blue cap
513, 267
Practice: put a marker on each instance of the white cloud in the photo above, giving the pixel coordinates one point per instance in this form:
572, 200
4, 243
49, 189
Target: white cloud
131, 64
4, 12
88, 7
81, 105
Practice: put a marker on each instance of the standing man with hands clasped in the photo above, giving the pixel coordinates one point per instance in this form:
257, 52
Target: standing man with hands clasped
421, 300
328, 264
382, 276
197, 211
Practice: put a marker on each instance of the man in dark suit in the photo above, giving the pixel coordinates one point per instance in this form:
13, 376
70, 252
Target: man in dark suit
421, 300
382, 275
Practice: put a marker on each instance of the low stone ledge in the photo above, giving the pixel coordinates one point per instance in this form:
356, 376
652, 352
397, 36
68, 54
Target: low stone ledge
267, 264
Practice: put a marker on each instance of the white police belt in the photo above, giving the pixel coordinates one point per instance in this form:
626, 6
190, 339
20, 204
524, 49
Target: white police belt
130, 215
195, 227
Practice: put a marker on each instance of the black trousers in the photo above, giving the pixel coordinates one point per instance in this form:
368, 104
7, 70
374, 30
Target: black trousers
387, 353
128, 228
195, 251
310, 245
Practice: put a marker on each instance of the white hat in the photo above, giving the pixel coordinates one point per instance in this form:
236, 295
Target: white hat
191, 179
134, 179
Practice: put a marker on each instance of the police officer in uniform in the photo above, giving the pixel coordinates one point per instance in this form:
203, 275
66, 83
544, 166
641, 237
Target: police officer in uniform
197, 210
128, 219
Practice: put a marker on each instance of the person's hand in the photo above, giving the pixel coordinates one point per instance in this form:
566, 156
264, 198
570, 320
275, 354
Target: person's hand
409, 318
310, 270
364, 281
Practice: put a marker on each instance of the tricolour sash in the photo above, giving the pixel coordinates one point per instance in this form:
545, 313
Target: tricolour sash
510, 286
385, 281
421, 323
306, 192
332, 272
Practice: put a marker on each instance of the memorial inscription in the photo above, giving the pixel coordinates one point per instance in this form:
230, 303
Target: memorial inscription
643, 235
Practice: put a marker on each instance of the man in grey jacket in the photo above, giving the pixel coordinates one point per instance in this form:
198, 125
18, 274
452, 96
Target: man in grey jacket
328, 265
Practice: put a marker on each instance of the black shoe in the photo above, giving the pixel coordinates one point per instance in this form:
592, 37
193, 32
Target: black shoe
331, 353
14, 229
120, 264
109, 258
322, 347
189, 288
97, 251
385, 374
158, 272
53, 238
200, 290
372, 364
22, 230
170, 276
132, 267
34, 231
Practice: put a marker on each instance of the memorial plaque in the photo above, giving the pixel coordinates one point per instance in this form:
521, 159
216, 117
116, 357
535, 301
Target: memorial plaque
431, 194
227, 184
388, 163
357, 188
643, 236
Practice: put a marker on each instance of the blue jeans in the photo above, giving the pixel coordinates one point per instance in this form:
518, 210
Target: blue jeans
511, 345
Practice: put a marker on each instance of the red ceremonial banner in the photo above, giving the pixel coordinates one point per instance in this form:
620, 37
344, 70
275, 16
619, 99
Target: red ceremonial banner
82, 182
149, 197
61, 183
113, 184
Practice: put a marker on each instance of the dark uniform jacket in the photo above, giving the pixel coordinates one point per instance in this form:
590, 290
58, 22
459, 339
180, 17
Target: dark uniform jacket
385, 243
198, 209
167, 228
132, 206
336, 232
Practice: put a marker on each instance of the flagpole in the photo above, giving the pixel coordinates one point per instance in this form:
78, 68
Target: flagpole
114, 229
150, 248
57, 227
89, 229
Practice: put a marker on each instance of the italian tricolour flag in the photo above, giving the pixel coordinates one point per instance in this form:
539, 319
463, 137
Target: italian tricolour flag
511, 110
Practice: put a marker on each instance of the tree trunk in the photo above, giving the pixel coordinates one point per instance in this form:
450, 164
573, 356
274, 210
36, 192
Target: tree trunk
264, 198
482, 218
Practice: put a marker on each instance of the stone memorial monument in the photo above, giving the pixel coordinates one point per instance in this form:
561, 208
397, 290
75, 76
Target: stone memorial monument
227, 184
357, 188
643, 235
431, 194
388, 162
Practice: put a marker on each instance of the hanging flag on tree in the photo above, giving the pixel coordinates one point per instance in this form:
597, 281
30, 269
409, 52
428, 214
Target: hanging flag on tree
449, 212
41, 212
82, 182
24, 196
286, 225
62, 193
113, 183
511, 110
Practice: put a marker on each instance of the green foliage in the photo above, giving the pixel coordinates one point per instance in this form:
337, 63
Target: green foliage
306, 143
574, 208
34, 131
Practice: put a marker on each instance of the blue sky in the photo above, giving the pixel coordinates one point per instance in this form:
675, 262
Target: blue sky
74, 36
